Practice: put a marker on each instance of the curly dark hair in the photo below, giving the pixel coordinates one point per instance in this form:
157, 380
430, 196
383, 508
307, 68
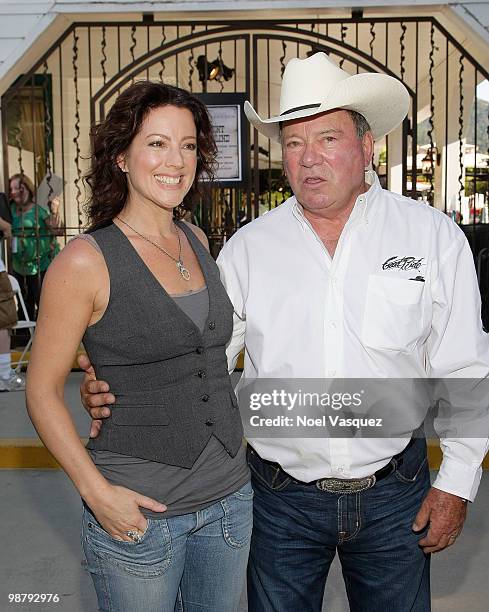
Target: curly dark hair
113, 136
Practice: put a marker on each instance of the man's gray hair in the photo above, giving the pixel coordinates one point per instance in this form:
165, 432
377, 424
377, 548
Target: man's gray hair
361, 124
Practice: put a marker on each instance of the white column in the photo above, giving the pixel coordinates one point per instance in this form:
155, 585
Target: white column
394, 160
448, 172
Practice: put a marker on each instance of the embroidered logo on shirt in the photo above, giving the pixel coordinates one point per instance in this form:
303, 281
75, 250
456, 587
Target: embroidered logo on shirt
402, 263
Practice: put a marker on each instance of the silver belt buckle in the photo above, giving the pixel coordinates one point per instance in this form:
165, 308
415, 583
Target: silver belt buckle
344, 486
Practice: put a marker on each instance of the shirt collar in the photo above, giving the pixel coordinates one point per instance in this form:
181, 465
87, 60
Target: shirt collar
363, 205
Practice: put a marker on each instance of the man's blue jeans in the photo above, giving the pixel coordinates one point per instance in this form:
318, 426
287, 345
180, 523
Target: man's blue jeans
194, 562
298, 529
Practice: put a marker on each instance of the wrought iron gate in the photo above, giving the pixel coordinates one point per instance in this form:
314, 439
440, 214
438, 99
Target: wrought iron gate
47, 113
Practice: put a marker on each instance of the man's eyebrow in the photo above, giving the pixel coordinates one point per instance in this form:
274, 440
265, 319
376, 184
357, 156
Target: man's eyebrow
331, 131
321, 133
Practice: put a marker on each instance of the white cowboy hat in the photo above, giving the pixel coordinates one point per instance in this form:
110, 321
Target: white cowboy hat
316, 84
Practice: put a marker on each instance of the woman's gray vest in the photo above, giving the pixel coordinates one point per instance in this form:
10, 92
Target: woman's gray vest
171, 381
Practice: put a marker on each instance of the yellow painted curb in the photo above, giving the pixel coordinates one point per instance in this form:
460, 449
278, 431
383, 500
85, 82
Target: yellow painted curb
25, 453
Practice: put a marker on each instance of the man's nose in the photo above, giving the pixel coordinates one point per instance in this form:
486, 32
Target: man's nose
310, 155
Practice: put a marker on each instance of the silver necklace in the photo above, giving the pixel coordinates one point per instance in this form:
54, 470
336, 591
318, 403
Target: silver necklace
178, 262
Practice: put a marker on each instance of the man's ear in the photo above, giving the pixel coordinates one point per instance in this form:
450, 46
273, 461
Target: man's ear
121, 162
368, 148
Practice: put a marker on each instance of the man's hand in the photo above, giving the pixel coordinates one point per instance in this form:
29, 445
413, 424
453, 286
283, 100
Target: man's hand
445, 514
94, 396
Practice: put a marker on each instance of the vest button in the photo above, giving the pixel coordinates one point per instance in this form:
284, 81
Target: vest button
201, 373
209, 422
205, 398
212, 325
199, 350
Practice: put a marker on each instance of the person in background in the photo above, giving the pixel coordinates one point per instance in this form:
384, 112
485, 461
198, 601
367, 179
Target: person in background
34, 243
9, 379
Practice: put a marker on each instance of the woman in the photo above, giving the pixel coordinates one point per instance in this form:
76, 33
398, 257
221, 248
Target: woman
33, 243
167, 499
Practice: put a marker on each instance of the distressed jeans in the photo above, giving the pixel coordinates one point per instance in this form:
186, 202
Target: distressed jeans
195, 562
298, 529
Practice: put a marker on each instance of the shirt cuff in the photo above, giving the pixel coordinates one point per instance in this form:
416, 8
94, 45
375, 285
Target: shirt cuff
458, 479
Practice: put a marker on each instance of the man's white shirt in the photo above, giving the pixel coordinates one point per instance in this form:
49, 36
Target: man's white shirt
365, 313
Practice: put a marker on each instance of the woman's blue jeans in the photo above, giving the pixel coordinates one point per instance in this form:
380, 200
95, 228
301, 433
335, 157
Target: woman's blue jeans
298, 529
194, 562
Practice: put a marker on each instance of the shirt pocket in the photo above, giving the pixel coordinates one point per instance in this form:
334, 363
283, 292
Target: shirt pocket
393, 317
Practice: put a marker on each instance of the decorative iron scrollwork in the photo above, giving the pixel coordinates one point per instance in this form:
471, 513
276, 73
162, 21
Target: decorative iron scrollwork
403, 49
461, 131
344, 30
103, 46
282, 59
372, 38
47, 133
76, 139
431, 129
191, 62
162, 62
133, 41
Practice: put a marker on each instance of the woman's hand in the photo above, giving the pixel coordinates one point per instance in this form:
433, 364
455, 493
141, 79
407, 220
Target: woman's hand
117, 511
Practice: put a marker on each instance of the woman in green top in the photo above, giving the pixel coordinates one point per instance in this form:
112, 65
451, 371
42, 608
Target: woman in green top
33, 239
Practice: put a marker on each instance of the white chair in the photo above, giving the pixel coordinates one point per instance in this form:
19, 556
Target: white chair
24, 323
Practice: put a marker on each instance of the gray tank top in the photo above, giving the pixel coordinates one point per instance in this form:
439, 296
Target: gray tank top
214, 475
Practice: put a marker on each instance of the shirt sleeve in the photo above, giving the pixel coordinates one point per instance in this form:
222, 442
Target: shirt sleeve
458, 349
234, 286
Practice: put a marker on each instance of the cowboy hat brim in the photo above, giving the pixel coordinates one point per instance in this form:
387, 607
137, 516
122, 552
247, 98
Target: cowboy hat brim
381, 99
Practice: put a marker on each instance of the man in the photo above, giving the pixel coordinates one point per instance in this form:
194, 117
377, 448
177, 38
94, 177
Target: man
346, 279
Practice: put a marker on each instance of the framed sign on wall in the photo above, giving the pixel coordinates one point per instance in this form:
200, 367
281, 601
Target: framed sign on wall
231, 134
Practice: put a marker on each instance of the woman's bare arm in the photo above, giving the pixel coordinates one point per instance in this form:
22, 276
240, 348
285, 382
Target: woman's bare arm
72, 298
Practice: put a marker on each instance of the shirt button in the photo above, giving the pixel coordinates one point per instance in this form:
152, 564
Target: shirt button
201, 373
209, 422
205, 398
333, 325
331, 373
341, 469
199, 350
212, 325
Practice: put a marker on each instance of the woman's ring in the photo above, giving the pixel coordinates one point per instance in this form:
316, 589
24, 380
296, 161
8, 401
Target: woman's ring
134, 535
